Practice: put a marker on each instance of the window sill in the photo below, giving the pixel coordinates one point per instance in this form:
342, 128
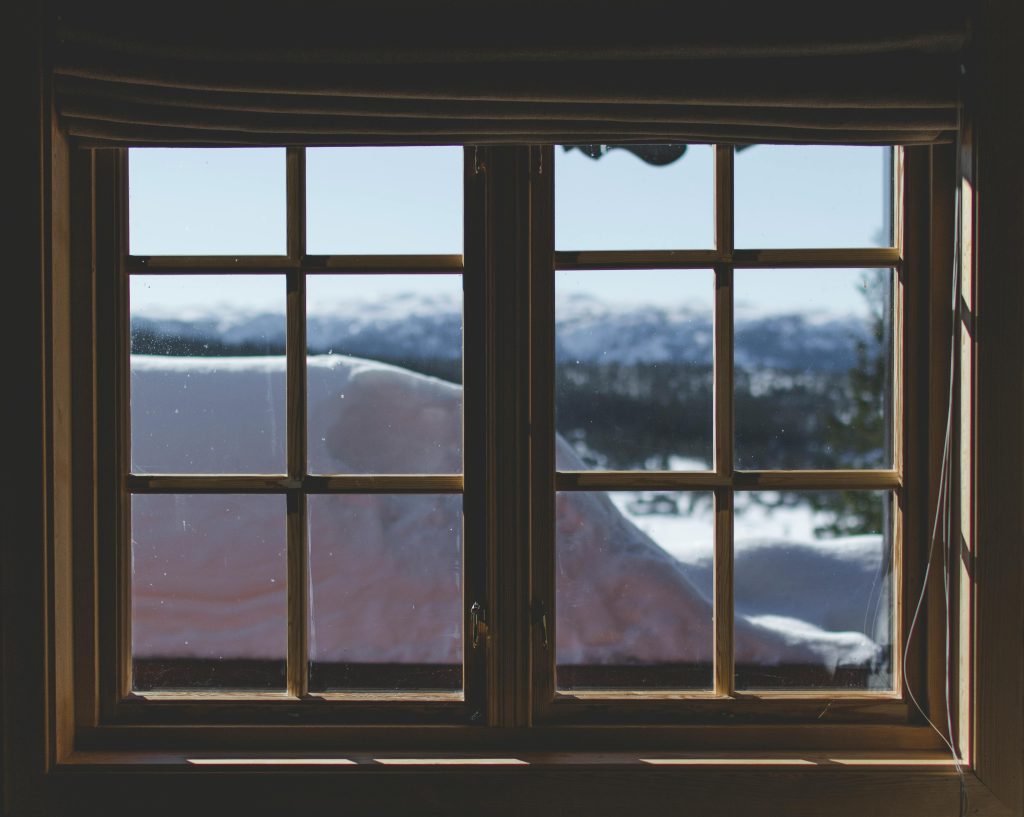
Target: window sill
384, 762
794, 783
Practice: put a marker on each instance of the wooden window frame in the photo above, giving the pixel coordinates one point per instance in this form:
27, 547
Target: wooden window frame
303, 766
508, 274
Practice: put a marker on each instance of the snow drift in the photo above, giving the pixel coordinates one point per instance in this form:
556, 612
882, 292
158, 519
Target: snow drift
209, 571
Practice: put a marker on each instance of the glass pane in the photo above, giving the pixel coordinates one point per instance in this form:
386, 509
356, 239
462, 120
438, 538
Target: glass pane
633, 590
384, 200
634, 197
209, 592
207, 201
208, 374
386, 592
813, 196
384, 374
813, 590
813, 373
633, 369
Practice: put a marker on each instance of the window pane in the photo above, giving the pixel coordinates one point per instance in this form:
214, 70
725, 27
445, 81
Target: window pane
209, 592
208, 374
207, 201
384, 200
813, 372
633, 590
384, 374
813, 572
634, 197
386, 600
813, 196
633, 369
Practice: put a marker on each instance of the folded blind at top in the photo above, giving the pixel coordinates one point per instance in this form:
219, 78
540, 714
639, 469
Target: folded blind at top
393, 73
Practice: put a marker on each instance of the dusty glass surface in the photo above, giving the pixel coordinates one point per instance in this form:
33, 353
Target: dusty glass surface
633, 368
634, 197
790, 196
208, 374
384, 374
813, 368
384, 200
633, 590
813, 577
386, 607
207, 201
208, 591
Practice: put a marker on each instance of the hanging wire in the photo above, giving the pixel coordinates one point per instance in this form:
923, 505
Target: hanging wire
942, 527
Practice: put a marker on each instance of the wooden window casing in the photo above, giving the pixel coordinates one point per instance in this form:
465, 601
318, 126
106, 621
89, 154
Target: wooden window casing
509, 485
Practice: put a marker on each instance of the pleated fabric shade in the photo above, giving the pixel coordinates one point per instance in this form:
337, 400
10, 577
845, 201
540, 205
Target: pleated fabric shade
563, 71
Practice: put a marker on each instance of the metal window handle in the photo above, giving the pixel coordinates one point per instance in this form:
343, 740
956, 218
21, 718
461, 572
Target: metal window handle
477, 622
540, 617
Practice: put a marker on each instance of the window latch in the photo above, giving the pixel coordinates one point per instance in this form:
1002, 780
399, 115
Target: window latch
540, 618
477, 622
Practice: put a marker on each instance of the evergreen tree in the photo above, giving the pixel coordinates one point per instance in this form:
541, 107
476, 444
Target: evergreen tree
859, 428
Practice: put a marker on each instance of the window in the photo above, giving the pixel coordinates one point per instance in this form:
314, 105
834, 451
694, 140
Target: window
326, 440
67, 748
293, 433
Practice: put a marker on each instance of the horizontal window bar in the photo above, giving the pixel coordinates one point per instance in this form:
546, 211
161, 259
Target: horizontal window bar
208, 264
638, 259
741, 480
765, 696
249, 696
310, 264
404, 264
810, 480
348, 483
699, 259
612, 480
868, 257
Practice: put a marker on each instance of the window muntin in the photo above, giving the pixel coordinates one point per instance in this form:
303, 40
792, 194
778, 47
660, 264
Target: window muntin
578, 263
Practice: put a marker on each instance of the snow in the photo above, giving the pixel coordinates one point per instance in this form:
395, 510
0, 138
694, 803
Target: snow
386, 569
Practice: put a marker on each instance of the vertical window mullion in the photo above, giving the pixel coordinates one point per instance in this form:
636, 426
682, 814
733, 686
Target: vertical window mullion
724, 422
474, 432
295, 349
542, 423
122, 454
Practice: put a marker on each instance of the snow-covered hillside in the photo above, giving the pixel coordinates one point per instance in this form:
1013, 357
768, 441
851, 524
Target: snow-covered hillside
208, 571
417, 325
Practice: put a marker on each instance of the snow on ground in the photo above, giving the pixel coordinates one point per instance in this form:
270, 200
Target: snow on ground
633, 587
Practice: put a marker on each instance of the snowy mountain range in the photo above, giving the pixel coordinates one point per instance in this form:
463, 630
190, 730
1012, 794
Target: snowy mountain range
417, 326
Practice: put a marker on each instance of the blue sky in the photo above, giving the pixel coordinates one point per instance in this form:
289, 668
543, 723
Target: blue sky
409, 200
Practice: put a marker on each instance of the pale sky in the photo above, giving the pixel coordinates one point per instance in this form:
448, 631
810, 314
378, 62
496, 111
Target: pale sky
409, 200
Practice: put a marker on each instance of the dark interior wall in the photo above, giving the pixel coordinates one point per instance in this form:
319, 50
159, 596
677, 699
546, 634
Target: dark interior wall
24, 721
998, 95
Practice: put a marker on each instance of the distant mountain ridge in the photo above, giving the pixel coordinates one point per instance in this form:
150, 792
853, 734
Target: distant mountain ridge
588, 330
